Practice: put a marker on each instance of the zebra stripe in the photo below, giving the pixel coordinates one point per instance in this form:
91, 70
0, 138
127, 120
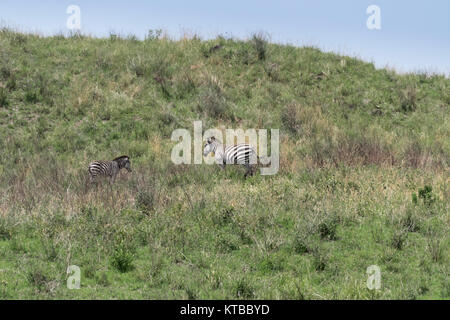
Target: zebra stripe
241, 154
102, 168
108, 168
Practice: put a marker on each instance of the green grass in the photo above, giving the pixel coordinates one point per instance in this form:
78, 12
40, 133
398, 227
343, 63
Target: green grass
363, 174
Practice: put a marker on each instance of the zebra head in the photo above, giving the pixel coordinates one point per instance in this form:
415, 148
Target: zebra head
210, 146
124, 162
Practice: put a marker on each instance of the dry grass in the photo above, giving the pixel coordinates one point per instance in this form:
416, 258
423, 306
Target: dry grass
342, 200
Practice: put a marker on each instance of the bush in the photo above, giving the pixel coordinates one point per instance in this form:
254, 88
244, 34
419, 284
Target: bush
436, 249
259, 41
123, 253
226, 242
5, 230
408, 99
38, 279
320, 258
185, 85
273, 71
145, 201
410, 221
122, 259
137, 66
3, 98
213, 101
427, 196
354, 150
398, 239
301, 244
290, 119
243, 289
415, 155
153, 35
224, 217
327, 229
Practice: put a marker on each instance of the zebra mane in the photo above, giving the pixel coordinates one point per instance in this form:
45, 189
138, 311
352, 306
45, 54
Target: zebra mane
214, 139
120, 158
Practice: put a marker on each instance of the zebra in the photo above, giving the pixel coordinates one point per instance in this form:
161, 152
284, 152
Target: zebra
242, 153
109, 168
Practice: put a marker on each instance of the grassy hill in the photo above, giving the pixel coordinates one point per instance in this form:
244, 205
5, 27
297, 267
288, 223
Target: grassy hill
363, 177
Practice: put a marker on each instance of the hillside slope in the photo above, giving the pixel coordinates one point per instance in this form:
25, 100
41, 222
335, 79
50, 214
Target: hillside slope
363, 174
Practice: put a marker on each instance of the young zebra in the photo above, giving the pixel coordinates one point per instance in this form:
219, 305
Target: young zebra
109, 168
242, 153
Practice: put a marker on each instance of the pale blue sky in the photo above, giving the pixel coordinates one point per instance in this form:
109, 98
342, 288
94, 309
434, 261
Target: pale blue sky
414, 35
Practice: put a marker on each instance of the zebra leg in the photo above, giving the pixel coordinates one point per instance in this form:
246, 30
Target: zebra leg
255, 169
247, 171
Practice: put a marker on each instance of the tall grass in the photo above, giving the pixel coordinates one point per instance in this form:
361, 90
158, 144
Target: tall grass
363, 179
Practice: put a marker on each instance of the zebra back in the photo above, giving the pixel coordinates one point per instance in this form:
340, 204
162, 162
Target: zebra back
101, 168
242, 153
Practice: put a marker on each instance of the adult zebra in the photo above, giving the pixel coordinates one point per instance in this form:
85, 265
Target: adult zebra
243, 154
109, 168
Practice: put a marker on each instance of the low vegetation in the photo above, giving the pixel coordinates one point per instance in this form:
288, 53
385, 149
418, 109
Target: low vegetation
363, 177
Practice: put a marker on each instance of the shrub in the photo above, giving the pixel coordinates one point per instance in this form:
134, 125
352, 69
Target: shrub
410, 221
408, 99
436, 250
243, 289
38, 279
320, 259
103, 60
416, 156
145, 201
354, 150
167, 119
290, 119
414, 198
18, 38
398, 239
11, 84
213, 101
224, 217
301, 244
123, 252
122, 259
273, 71
259, 41
327, 229
270, 264
5, 230
153, 35
3, 98
206, 50
31, 96
227, 242
244, 54
137, 66
185, 85
164, 85
427, 196
102, 279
